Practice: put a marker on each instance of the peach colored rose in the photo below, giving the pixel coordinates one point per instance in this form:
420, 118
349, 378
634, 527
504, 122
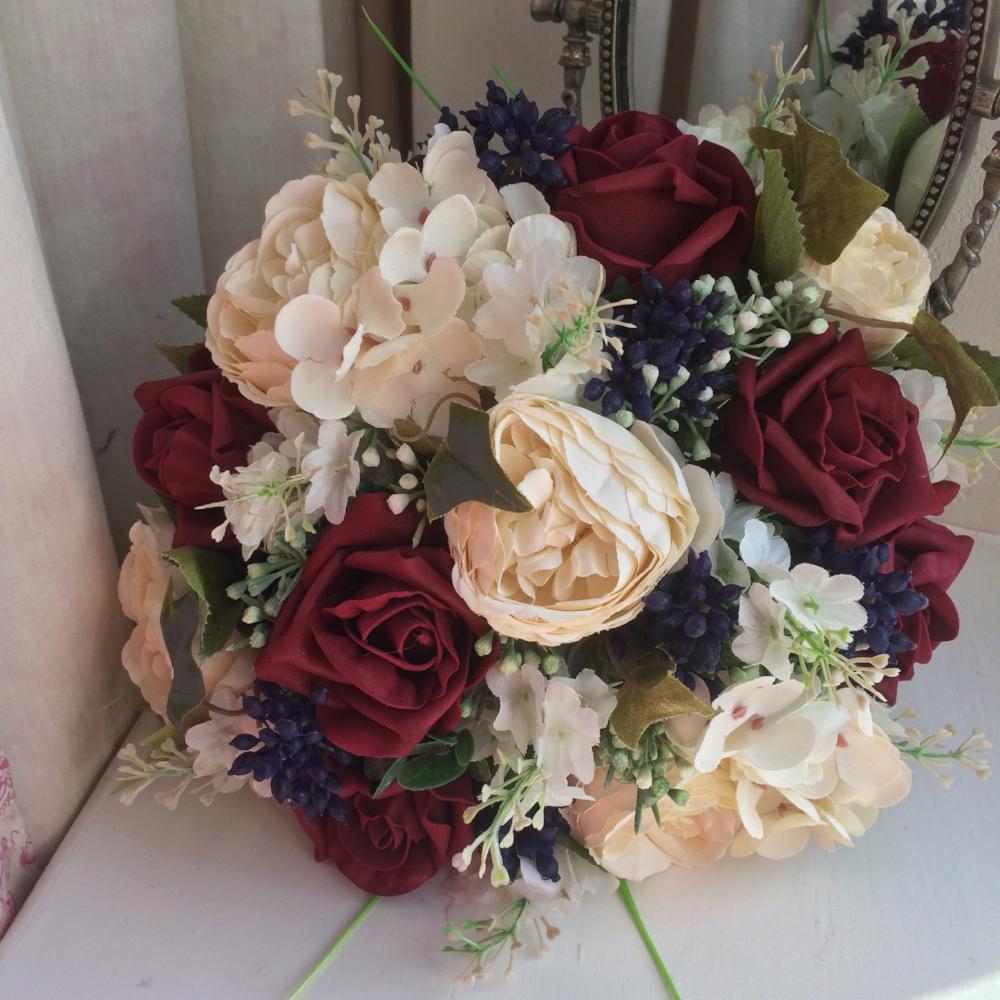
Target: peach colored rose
319, 236
696, 834
144, 583
610, 517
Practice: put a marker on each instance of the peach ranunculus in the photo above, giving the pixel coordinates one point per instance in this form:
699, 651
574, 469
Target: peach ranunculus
693, 835
320, 235
144, 585
610, 517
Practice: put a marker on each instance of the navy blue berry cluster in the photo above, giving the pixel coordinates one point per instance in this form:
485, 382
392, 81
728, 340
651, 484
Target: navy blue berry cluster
951, 15
290, 751
531, 141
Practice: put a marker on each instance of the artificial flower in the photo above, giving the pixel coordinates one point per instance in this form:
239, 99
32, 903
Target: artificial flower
762, 549
642, 195
929, 394
762, 638
520, 693
725, 128
820, 436
189, 424
884, 273
376, 623
565, 745
695, 834
392, 844
609, 518
821, 602
334, 473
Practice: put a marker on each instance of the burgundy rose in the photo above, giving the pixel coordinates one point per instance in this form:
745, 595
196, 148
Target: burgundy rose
822, 436
641, 194
393, 844
935, 556
378, 624
190, 423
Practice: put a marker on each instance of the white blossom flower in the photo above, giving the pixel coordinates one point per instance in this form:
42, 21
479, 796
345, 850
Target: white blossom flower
729, 129
929, 394
333, 471
762, 639
520, 694
821, 602
565, 747
763, 550
735, 513
594, 694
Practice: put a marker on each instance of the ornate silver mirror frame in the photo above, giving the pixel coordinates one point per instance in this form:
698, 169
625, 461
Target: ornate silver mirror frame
611, 23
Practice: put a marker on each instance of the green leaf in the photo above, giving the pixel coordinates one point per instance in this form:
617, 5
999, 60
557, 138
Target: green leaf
968, 385
777, 242
988, 363
464, 747
179, 355
389, 777
650, 695
208, 574
832, 199
429, 771
464, 468
179, 620
194, 307
913, 125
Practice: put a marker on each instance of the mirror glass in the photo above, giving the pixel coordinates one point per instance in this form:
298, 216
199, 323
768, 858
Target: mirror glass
890, 78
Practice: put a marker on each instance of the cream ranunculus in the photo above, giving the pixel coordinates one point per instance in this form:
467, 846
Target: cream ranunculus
610, 517
884, 273
144, 584
319, 236
693, 835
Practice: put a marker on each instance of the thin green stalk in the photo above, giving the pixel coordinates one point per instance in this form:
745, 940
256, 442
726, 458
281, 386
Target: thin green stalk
335, 948
633, 911
503, 78
407, 68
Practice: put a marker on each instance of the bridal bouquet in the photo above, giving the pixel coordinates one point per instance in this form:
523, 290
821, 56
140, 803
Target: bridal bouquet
552, 506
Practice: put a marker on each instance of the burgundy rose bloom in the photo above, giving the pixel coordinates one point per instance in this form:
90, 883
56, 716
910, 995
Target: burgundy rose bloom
190, 423
642, 195
391, 845
935, 556
378, 624
821, 436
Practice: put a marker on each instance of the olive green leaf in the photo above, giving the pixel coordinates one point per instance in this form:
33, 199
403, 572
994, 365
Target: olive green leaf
913, 125
777, 242
194, 307
431, 764
988, 363
464, 468
968, 385
650, 695
179, 621
208, 574
179, 355
832, 199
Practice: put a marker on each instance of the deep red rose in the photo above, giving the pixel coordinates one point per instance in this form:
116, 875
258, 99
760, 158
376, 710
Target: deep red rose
378, 624
190, 423
822, 436
393, 844
935, 556
641, 194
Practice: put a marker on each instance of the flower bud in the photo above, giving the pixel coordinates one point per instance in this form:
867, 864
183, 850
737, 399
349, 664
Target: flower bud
625, 418
780, 338
484, 644
370, 458
406, 456
408, 481
398, 502
819, 325
551, 664
747, 321
784, 288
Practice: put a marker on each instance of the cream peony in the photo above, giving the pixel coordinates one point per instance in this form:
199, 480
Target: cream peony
609, 518
693, 835
884, 273
319, 236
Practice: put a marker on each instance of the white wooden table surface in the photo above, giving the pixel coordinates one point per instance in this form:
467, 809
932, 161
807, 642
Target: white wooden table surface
227, 902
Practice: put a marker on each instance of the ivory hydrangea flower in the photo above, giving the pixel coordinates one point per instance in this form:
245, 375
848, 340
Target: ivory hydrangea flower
884, 273
693, 835
319, 236
609, 517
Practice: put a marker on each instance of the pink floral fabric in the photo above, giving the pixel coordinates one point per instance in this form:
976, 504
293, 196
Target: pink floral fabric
18, 866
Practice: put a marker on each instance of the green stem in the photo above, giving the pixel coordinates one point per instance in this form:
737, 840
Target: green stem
407, 68
335, 948
633, 911
503, 79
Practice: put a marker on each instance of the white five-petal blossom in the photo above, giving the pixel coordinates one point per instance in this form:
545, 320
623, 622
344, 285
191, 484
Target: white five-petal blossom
763, 550
762, 639
520, 694
821, 602
333, 471
565, 747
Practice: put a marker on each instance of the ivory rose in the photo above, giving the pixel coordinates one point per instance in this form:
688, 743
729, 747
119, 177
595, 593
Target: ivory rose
695, 834
610, 517
884, 273
319, 236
